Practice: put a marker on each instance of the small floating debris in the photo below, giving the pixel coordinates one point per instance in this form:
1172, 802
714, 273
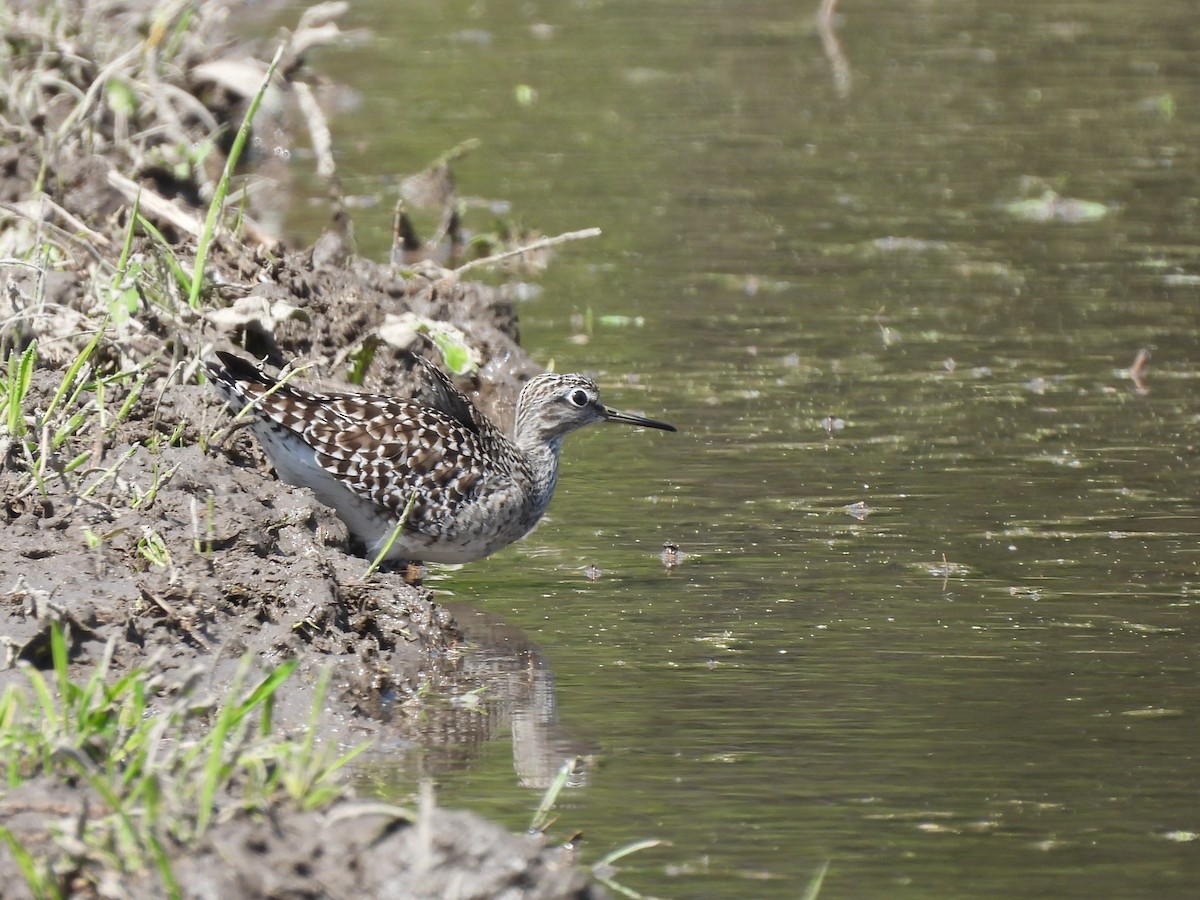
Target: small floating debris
619, 321
937, 828
893, 244
1153, 713
722, 640
476, 36
944, 569
859, 510
1182, 837
640, 75
526, 95
1137, 372
1052, 207
671, 555
1180, 279
889, 336
724, 758
1141, 628
749, 284
1160, 104
1031, 593
1049, 845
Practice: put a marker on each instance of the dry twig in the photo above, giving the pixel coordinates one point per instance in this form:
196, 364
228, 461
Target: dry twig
541, 244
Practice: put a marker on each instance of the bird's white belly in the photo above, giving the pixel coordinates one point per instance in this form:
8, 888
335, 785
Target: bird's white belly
476, 533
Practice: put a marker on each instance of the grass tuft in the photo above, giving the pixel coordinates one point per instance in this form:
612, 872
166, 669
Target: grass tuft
158, 772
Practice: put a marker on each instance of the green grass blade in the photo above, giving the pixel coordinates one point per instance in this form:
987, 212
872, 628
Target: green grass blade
128, 832
79, 362
42, 691
76, 462
127, 244
40, 885
72, 425
542, 815
58, 652
182, 278
218, 200
314, 714
814, 884
174, 891
50, 719
215, 761
267, 687
621, 852
232, 715
620, 888
346, 758
392, 538
10, 709
20, 375
135, 394
116, 302
181, 30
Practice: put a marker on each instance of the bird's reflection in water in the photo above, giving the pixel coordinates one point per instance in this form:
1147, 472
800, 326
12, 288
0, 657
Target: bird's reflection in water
499, 681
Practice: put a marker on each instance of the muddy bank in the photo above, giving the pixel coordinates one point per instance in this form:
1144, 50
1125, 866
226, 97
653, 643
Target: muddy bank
135, 519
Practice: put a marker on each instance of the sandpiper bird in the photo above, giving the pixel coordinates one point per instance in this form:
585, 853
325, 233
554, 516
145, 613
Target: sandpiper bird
473, 488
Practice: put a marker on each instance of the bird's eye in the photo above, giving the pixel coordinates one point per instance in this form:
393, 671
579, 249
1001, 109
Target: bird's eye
578, 397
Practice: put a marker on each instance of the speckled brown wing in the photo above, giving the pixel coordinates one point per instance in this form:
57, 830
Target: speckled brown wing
385, 450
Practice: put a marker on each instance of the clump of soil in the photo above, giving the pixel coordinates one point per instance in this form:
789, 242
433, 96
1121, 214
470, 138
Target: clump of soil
361, 850
132, 517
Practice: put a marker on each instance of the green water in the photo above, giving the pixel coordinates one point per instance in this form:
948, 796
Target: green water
987, 687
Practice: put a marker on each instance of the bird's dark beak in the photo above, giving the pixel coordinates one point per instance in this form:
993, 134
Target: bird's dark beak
615, 415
